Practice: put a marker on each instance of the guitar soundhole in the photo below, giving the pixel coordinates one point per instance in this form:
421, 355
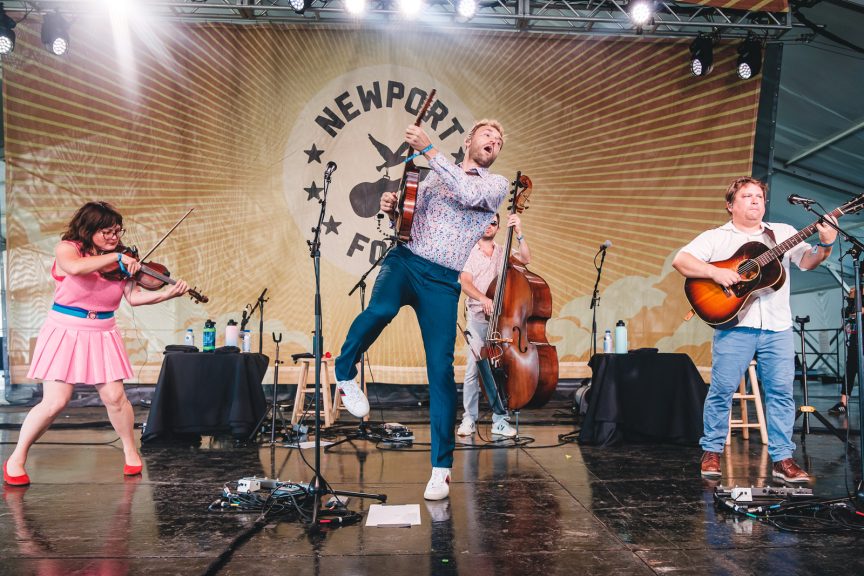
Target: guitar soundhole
748, 270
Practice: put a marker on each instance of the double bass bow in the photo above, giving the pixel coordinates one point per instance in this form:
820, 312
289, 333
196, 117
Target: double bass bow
407, 195
524, 364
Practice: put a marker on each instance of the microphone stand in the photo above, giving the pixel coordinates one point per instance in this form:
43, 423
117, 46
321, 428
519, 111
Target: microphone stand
318, 485
595, 300
856, 251
259, 305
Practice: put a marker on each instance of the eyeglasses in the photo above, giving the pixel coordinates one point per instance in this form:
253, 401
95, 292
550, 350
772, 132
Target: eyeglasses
493, 224
114, 232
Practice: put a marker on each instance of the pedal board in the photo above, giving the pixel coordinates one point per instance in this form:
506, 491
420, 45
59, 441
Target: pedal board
251, 484
749, 494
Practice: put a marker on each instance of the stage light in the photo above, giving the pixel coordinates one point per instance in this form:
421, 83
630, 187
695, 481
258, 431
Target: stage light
299, 6
467, 8
55, 34
641, 12
410, 8
701, 55
7, 35
749, 58
355, 7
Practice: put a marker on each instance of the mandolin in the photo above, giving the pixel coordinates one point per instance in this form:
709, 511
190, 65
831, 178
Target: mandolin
760, 268
407, 200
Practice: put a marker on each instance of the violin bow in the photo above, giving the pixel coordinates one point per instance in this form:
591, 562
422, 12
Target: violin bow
153, 249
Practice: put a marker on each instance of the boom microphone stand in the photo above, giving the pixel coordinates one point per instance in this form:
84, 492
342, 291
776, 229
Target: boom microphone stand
595, 298
318, 485
855, 251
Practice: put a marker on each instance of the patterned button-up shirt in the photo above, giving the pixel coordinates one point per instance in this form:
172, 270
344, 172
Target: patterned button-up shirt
453, 209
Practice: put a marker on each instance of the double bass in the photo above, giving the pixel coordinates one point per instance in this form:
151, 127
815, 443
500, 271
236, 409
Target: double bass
523, 363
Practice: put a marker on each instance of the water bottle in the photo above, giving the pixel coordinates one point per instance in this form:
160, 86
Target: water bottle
607, 342
620, 338
209, 338
246, 339
189, 338
232, 332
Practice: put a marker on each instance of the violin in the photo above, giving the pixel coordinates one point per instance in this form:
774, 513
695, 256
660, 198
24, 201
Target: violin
151, 276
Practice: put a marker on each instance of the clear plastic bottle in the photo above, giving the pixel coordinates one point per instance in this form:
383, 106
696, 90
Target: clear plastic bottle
189, 338
607, 342
246, 340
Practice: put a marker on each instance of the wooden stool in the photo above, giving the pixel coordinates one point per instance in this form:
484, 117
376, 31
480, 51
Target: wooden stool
337, 404
300, 398
743, 397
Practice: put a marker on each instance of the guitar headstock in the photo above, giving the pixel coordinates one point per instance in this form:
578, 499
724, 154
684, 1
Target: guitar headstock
852, 206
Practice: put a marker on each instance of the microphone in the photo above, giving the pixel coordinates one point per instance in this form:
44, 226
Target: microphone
331, 167
605, 245
795, 199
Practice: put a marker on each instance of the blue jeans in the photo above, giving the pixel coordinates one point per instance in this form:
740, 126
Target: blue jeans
732, 351
432, 290
471, 386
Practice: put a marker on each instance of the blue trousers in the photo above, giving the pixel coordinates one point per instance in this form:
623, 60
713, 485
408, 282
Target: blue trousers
732, 352
432, 291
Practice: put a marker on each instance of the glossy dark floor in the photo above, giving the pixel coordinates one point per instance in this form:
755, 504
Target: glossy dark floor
537, 509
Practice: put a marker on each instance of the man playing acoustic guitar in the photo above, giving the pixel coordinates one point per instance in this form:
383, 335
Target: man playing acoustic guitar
454, 206
763, 328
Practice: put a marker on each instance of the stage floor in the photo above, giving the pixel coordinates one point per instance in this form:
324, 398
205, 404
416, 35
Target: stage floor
541, 508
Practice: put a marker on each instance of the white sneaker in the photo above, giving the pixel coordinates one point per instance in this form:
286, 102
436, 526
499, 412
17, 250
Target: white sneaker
353, 398
466, 428
438, 486
503, 428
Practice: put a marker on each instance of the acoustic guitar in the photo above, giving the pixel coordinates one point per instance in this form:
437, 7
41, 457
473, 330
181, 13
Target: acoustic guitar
407, 200
761, 271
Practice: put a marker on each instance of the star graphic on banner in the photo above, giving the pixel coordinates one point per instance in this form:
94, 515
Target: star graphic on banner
313, 191
314, 154
332, 226
459, 156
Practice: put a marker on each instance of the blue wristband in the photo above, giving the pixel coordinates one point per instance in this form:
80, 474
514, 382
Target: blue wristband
823, 245
420, 153
120, 264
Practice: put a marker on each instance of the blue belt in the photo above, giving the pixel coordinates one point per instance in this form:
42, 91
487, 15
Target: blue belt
81, 313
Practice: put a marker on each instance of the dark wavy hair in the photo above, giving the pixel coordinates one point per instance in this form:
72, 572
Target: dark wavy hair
89, 219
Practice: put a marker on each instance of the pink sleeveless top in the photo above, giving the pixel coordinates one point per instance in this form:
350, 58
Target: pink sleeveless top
87, 291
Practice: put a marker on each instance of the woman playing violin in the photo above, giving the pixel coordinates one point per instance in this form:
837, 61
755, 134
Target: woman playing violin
79, 341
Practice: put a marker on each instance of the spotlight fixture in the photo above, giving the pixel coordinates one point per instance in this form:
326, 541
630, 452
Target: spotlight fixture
355, 7
641, 12
701, 55
467, 8
749, 58
55, 34
7, 35
410, 8
299, 6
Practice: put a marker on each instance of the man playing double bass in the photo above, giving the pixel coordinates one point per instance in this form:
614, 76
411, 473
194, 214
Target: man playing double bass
764, 328
480, 270
454, 205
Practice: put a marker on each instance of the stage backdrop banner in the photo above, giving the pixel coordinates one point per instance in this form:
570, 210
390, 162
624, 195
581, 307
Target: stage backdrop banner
239, 123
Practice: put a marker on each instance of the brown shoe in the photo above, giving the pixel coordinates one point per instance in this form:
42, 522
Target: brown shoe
789, 471
711, 464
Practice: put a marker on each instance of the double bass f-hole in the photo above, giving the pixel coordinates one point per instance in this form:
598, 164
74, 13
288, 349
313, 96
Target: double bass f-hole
523, 348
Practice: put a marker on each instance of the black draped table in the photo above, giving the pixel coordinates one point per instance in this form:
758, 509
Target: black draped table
207, 393
643, 397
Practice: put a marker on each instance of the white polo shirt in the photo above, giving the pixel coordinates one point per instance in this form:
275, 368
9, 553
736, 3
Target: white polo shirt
771, 310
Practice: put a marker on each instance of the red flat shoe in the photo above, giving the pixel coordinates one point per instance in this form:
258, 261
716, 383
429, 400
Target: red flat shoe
22, 480
131, 470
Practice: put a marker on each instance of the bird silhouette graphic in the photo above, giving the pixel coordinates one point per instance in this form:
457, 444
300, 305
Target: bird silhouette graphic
390, 158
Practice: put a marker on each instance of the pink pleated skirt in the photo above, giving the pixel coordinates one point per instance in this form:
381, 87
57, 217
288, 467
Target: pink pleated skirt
79, 351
